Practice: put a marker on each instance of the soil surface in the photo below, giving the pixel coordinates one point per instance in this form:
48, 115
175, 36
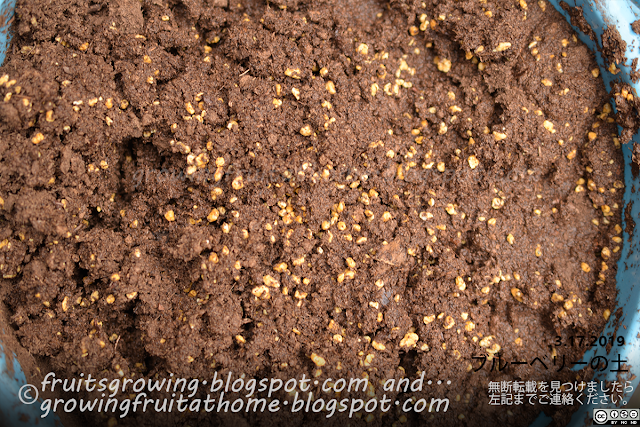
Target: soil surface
329, 188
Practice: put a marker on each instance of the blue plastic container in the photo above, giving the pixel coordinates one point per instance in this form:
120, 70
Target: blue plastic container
600, 14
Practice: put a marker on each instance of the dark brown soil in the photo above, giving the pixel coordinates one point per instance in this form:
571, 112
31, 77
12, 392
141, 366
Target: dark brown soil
634, 73
627, 109
577, 19
613, 47
329, 188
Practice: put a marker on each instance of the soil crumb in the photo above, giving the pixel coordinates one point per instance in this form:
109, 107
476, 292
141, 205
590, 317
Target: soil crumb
613, 47
628, 108
577, 19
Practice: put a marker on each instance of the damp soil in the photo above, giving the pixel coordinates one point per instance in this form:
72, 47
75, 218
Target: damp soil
634, 74
577, 19
627, 110
334, 189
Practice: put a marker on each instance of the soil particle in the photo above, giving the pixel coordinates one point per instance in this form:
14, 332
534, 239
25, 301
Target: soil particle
634, 73
577, 19
613, 47
627, 109
629, 221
